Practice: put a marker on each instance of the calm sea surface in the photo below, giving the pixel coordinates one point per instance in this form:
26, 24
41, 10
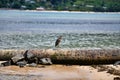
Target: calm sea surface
38, 30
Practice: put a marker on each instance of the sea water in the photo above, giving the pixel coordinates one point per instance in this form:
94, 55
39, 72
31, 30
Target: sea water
40, 29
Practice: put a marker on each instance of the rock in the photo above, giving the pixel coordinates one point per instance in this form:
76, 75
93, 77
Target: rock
21, 63
5, 63
116, 63
116, 78
27, 58
32, 65
17, 58
46, 61
28, 54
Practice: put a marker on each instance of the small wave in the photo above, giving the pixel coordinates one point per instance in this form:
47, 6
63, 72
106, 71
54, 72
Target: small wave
70, 40
68, 22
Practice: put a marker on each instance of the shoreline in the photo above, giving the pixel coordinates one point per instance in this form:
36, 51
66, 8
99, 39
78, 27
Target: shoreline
54, 72
59, 11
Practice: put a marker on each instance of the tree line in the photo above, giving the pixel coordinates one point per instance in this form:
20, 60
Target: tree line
69, 5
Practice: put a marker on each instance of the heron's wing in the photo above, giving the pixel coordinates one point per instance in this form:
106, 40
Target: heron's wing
57, 42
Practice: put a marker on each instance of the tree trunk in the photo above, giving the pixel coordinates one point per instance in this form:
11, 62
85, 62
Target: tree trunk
64, 56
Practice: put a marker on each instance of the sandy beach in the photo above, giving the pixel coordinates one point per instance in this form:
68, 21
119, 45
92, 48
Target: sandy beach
54, 72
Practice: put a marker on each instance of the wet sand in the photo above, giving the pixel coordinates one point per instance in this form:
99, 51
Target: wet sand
54, 72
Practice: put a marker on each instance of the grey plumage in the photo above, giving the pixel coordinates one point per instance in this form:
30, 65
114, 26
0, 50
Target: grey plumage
58, 41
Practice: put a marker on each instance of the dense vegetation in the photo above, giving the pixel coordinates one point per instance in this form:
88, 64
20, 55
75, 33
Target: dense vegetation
71, 5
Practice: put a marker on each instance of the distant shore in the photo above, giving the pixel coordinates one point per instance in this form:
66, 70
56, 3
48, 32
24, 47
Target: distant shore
56, 11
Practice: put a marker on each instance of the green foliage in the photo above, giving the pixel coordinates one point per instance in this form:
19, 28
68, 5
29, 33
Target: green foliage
98, 8
113, 7
0, 4
16, 5
30, 6
72, 5
3, 3
22, 2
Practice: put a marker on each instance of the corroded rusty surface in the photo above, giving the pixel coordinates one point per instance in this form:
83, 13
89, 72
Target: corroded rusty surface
70, 56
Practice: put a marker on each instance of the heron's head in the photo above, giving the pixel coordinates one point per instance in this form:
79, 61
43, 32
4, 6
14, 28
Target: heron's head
60, 37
